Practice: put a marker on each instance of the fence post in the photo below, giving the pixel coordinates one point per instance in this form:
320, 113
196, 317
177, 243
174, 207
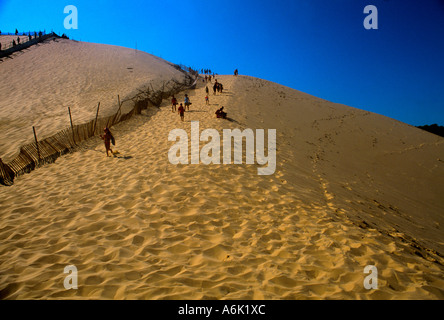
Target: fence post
36, 143
95, 122
118, 111
120, 105
72, 127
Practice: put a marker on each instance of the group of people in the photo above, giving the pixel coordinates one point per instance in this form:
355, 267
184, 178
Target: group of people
217, 87
182, 107
206, 71
207, 79
17, 42
220, 113
108, 138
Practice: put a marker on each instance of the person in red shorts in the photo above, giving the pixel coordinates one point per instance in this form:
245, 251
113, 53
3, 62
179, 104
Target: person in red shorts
181, 111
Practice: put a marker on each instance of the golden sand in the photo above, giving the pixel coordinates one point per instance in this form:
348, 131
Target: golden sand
351, 189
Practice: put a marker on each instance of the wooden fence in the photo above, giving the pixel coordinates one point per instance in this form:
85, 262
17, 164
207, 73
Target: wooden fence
38, 153
8, 50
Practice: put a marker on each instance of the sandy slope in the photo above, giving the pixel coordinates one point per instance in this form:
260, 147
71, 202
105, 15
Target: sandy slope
364, 162
137, 226
40, 83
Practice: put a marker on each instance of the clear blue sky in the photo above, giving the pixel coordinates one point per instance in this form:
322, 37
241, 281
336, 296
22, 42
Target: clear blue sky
316, 46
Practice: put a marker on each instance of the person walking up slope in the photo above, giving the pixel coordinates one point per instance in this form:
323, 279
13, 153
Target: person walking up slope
108, 139
173, 104
187, 102
181, 112
215, 88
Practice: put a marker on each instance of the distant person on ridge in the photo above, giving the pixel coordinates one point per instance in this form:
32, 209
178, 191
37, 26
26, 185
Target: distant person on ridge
108, 139
181, 112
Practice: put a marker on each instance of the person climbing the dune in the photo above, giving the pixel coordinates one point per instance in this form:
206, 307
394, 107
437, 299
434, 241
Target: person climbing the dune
216, 85
108, 139
173, 104
181, 111
187, 102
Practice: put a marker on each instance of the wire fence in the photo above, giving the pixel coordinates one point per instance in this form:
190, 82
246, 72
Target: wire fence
38, 153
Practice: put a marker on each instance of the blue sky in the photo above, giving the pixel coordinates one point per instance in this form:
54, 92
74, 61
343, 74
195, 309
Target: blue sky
316, 46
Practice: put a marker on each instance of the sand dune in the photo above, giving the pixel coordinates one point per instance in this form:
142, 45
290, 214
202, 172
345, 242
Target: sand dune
348, 189
364, 162
40, 83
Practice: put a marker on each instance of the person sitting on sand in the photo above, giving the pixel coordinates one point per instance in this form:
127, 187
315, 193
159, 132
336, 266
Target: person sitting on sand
181, 111
108, 138
187, 102
221, 114
173, 104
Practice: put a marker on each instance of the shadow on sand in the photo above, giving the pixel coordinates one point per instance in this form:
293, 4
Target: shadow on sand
123, 157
